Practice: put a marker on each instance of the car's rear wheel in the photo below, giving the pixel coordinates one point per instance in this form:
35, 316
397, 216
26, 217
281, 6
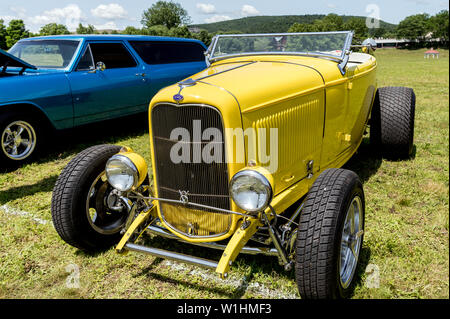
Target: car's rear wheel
330, 236
392, 122
84, 207
21, 138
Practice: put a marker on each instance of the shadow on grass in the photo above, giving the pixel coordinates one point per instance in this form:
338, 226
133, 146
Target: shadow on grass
247, 264
365, 162
73, 141
44, 185
364, 260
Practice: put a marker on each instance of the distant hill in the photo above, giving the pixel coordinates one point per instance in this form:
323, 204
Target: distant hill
269, 24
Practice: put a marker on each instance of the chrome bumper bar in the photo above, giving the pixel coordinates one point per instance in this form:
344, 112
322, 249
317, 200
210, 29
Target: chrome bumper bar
173, 256
245, 250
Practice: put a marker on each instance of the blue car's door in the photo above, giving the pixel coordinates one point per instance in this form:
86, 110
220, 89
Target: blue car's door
169, 61
113, 92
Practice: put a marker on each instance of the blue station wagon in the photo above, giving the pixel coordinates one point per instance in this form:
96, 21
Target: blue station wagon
60, 82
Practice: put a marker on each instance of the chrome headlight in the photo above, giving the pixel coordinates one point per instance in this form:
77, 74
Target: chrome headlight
121, 172
250, 190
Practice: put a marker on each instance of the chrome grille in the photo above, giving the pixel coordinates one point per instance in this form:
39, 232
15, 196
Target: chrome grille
202, 183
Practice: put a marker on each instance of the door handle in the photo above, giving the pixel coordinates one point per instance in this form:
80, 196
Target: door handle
140, 74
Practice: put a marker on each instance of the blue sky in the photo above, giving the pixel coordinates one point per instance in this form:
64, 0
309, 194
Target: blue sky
117, 14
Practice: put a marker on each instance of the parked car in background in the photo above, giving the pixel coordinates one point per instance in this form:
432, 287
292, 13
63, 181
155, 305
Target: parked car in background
59, 82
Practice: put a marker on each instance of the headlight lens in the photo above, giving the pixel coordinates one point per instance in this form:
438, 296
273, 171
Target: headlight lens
122, 174
251, 191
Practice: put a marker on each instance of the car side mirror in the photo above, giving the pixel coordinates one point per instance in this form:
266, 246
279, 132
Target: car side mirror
99, 66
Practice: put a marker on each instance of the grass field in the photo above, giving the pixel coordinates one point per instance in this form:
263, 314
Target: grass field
406, 248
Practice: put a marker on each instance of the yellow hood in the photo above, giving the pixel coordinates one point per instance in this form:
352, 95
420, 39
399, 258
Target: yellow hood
254, 82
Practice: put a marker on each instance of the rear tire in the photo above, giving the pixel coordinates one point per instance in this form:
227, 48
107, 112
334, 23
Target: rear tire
80, 212
328, 248
392, 122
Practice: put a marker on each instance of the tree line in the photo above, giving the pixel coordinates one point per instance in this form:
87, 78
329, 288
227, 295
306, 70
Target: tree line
166, 18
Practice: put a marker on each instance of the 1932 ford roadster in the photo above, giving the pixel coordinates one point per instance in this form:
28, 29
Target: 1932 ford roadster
246, 158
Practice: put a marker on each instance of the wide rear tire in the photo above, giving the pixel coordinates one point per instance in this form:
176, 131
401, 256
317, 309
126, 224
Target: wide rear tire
392, 122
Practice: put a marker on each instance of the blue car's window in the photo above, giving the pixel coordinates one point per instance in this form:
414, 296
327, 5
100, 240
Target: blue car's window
114, 55
86, 61
45, 53
163, 52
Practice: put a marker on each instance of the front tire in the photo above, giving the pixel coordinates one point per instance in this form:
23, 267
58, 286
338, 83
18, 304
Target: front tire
80, 209
330, 236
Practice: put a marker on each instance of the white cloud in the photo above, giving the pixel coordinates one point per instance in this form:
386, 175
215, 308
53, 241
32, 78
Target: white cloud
108, 25
6, 19
110, 11
217, 18
248, 10
331, 5
206, 8
18, 10
71, 15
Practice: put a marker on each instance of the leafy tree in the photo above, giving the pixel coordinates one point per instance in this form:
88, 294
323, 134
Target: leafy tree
158, 30
15, 31
203, 36
180, 32
414, 27
378, 32
303, 27
331, 22
90, 29
2, 35
132, 30
54, 29
439, 25
358, 25
166, 13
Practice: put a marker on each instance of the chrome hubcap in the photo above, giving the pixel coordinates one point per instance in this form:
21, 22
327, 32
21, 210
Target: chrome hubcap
101, 218
18, 140
351, 242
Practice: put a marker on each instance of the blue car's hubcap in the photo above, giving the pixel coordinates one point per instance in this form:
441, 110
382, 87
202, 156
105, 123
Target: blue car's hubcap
18, 140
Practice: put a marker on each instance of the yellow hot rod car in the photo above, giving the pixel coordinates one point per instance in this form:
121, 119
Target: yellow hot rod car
246, 157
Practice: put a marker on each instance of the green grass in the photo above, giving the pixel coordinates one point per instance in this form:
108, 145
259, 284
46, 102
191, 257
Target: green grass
407, 217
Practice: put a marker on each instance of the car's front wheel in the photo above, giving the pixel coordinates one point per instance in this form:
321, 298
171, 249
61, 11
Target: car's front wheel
84, 206
21, 138
330, 236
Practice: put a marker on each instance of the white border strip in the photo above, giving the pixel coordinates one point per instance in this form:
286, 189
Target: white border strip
12, 211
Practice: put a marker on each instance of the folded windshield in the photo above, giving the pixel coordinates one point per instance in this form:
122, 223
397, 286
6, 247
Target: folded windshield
329, 44
45, 53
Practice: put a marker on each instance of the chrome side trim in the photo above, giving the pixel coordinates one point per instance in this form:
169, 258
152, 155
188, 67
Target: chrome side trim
173, 256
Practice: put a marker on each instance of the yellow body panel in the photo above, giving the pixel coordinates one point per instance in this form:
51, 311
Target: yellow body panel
320, 116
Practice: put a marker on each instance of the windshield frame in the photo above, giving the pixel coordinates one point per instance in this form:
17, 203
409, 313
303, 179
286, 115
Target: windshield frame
344, 54
72, 60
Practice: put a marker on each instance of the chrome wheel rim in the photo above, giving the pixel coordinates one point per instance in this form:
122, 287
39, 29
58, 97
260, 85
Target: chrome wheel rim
100, 217
18, 140
350, 242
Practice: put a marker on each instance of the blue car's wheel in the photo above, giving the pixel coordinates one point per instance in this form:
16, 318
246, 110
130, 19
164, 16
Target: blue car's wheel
20, 138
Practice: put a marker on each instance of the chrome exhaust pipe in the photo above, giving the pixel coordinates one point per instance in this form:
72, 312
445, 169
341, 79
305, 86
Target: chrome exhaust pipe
173, 256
